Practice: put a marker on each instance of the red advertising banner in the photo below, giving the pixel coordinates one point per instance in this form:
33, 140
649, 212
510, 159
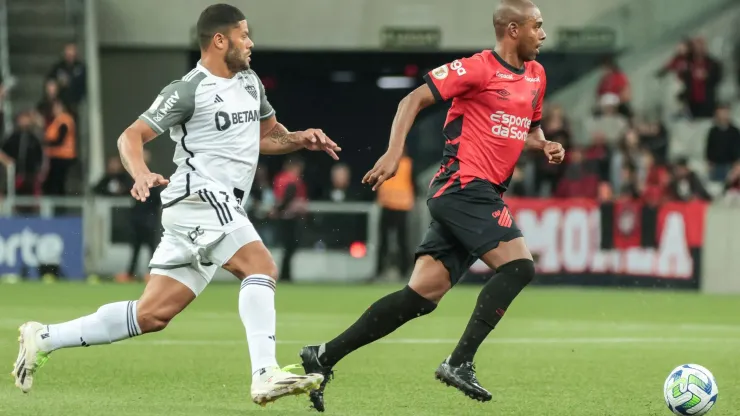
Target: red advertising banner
564, 236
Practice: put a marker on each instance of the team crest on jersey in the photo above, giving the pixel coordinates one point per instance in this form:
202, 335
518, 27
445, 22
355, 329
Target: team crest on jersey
441, 72
251, 90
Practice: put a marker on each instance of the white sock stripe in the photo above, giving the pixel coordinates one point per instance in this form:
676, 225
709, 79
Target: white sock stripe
258, 278
128, 319
259, 284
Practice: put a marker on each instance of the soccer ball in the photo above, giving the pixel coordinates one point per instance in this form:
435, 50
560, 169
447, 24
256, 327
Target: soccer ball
690, 390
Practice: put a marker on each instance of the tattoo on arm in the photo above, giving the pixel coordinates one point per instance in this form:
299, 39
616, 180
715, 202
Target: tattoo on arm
280, 135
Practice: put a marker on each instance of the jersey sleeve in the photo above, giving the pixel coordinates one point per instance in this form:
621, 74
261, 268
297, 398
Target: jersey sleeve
537, 101
174, 105
461, 77
266, 110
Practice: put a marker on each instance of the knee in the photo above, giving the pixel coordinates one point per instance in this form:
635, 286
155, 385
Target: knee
152, 320
521, 270
430, 279
242, 270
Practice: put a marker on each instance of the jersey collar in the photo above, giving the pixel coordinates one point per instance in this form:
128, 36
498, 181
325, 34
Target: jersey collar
510, 68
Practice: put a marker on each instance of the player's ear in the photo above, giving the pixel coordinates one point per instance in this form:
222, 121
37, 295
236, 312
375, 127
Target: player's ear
219, 39
513, 30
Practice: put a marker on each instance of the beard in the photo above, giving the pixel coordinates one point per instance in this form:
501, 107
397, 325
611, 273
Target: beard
234, 60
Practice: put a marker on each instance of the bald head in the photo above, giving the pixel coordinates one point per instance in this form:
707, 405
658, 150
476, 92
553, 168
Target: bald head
512, 11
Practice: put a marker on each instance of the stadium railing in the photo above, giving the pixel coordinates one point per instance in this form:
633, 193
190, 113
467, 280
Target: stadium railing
338, 241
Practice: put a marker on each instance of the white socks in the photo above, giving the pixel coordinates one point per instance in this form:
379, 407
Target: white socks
112, 322
257, 310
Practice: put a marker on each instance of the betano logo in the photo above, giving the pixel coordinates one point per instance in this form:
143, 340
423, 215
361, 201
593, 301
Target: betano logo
509, 126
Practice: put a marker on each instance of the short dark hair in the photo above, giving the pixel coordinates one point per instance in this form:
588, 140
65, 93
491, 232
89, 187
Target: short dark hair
217, 19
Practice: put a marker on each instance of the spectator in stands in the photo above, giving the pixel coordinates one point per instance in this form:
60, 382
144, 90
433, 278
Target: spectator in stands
341, 189
686, 184
732, 183
396, 197
608, 121
291, 198
60, 141
70, 74
45, 106
115, 182
23, 149
657, 180
678, 66
679, 63
629, 182
629, 156
578, 180
702, 80
615, 82
597, 157
654, 137
260, 203
723, 145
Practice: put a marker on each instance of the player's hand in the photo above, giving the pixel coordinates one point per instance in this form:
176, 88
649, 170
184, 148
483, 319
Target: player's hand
316, 140
384, 169
140, 191
555, 152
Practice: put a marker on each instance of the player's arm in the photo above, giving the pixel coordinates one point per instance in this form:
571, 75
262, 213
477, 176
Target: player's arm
174, 105
460, 78
536, 138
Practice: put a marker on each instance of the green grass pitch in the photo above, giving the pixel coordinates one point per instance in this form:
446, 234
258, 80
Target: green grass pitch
567, 352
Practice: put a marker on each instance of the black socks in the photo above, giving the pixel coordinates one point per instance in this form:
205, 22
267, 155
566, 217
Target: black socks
494, 299
380, 319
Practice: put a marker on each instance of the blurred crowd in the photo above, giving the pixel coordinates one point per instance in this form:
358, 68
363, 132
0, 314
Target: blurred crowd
42, 147
624, 154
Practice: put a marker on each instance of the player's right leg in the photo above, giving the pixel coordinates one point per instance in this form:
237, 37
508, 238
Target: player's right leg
439, 264
162, 300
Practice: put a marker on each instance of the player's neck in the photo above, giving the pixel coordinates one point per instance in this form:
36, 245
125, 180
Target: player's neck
216, 66
509, 55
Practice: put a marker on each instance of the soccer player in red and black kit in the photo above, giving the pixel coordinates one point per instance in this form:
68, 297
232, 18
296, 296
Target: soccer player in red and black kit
496, 109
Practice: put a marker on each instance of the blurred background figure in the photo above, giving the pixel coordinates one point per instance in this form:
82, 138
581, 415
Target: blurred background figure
723, 145
396, 198
290, 208
70, 74
60, 141
24, 150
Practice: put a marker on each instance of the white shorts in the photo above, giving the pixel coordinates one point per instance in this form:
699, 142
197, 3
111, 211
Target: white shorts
201, 233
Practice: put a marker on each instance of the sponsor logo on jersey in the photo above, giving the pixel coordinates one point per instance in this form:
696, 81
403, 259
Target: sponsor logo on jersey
161, 110
458, 67
224, 120
530, 79
441, 72
195, 233
504, 76
502, 94
509, 126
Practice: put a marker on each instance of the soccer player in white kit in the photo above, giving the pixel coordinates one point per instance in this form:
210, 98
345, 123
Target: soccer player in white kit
220, 119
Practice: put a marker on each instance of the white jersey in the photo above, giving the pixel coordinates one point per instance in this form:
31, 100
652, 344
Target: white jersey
215, 123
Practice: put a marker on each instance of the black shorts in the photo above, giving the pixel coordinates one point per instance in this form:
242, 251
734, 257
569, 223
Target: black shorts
465, 225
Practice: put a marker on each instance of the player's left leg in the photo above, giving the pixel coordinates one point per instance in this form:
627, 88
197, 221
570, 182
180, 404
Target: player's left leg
243, 254
514, 270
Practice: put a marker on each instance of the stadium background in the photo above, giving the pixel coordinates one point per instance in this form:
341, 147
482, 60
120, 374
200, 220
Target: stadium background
666, 219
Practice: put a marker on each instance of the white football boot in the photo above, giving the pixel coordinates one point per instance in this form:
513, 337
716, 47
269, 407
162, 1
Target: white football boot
275, 383
30, 356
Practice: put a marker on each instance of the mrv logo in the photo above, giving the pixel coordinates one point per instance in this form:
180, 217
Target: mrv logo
224, 120
30, 249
